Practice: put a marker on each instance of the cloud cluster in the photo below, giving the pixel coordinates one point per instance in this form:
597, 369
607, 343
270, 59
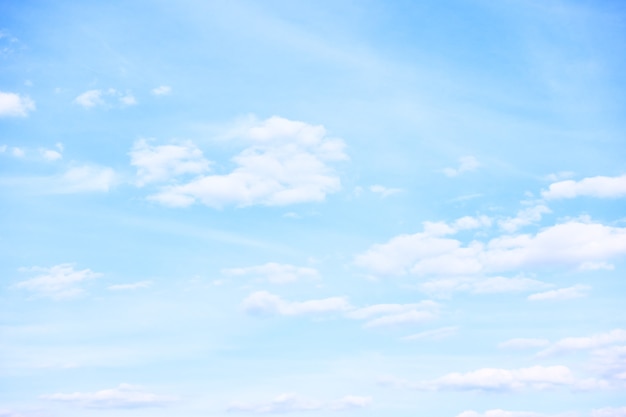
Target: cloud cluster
15, 105
58, 282
285, 162
124, 396
290, 403
600, 187
97, 97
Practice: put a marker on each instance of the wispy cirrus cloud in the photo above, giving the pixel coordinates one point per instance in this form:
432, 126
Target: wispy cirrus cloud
59, 282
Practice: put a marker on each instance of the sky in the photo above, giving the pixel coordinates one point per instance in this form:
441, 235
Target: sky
313, 208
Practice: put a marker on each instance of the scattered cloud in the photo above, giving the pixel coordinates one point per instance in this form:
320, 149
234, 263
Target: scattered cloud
164, 162
97, 97
609, 412
524, 343
265, 303
124, 396
503, 380
90, 98
128, 100
600, 187
596, 341
290, 403
15, 105
572, 244
58, 282
384, 191
85, 178
524, 217
466, 164
50, 154
576, 291
286, 163
133, 286
162, 90
436, 334
274, 273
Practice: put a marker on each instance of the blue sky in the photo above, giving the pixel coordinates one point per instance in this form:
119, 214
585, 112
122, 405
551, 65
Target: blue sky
327, 208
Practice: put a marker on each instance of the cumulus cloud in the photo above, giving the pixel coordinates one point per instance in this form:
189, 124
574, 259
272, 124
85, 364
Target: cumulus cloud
524, 217
164, 162
285, 163
162, 90
50, 154
290, 403
600, 187
15, 105
89, 98
572, 244
466, 164
576, 291
263, 303
596, 341
384, 191
124, 396
503, 380
274, 273
59, 281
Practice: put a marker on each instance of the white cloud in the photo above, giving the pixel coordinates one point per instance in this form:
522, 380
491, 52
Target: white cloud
576, 291
286, 163
291, 403
15, 105
50, 154
609, 412
274, 273
90, 98
164, 162
162, 90
611, 362
466, 164
384, 191
524, 343
482, 285
85, 178
381, 315
596, 341
128, 100
498, 379
524, 217
124, 396
600, 187
435, 334
60, 281
573, 244
133, 286
263, 302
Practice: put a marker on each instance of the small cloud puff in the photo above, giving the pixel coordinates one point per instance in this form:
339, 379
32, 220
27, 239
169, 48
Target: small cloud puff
124, 396
97, 97
15, 105
162, 90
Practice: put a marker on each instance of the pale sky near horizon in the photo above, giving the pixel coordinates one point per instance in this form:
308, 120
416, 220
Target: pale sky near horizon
326, 208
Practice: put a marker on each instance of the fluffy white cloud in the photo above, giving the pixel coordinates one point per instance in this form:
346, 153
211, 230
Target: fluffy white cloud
576, 291
50, 154
384, 191
162, 90
164, 162
274, 272
15, 105
263, 302
60, 281
124, 396
524, 343
573, 244
611, 363
89, 98
600, 186
466, 164
128, 100
133, 286
596, 341
290, 403
286, 163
